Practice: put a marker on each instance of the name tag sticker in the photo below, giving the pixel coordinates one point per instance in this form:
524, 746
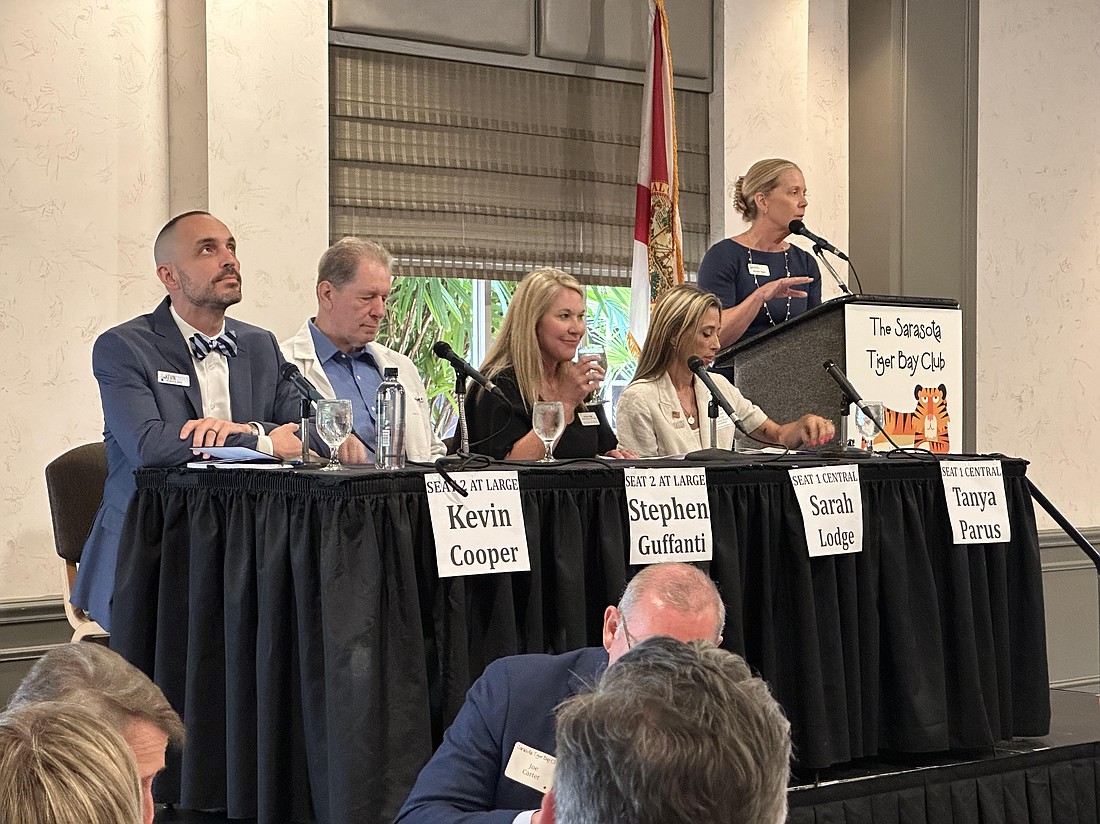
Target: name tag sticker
759, 270
588, 419
975, 493
530, 767
669, 515
481, 533
832, 508
174, 378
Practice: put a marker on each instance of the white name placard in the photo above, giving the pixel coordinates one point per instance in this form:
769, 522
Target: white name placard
669, 515
482, 532
832, 508
975, 493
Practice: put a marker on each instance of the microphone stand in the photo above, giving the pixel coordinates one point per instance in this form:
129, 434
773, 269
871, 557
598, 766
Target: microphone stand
839, 282
306, 404
463, 427
712, 413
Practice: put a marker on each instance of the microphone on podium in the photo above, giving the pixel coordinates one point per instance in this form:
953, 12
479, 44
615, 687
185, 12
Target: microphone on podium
797, 227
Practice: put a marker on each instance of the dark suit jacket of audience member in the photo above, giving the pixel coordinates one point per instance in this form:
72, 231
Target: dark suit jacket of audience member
513, 701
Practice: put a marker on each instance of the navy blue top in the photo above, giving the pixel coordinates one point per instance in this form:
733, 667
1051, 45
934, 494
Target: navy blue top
725, 272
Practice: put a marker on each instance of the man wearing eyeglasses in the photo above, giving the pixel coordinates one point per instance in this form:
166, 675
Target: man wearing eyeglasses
496, 759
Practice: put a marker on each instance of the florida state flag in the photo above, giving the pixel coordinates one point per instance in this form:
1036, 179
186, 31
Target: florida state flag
658, 245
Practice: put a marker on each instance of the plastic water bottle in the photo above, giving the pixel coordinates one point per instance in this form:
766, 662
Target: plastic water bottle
389, 422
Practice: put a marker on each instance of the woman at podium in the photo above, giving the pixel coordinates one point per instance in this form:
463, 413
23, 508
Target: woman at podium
664, 410
761, 279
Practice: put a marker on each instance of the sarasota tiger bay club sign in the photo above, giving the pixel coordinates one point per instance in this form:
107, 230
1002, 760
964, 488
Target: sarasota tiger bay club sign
481, 532
669, 515
832, 508
975, 493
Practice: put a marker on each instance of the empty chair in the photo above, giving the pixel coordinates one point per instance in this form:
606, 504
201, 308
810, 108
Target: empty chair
74, 483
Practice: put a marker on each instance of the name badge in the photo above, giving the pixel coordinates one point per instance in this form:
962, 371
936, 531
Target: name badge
174, 378
759, 270
588, 419
530, 767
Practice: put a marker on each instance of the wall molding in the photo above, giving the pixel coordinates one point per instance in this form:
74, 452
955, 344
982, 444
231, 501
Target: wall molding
32, 610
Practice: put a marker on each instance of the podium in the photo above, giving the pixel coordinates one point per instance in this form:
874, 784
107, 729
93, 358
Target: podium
887, 345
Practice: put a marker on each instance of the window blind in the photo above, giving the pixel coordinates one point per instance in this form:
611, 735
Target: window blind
465, 170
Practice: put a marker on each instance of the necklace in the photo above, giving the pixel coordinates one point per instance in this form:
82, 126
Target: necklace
756, 282
687, 414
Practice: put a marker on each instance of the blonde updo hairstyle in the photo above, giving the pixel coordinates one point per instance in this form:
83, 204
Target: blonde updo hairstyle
678, 312
761, 178
517, 344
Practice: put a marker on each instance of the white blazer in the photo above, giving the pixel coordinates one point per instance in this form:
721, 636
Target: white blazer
421, 442
650, 421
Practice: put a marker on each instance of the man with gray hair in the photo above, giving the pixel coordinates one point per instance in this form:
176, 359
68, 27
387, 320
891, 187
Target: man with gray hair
93, 677
496, 758
673, 734
337, 351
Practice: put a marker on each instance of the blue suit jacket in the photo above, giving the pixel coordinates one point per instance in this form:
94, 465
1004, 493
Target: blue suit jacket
512, 701
142, 418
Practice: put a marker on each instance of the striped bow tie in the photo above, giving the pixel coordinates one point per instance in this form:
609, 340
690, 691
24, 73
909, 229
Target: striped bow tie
226, 343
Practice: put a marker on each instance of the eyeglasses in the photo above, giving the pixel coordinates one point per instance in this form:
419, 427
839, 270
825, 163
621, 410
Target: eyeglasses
630, 642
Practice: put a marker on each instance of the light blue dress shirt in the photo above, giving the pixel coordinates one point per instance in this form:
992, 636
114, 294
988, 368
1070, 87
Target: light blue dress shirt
354, 377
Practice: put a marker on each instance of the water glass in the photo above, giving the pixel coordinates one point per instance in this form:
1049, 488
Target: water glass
548, 421
866, 425
334, 425
595, 354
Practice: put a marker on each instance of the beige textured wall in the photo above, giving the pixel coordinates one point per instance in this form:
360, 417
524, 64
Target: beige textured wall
781, 90
1038, 379
86, 172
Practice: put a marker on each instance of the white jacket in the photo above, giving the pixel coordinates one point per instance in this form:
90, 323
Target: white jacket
650, 421
421, 442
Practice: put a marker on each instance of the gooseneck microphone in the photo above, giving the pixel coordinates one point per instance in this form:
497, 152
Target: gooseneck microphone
797, 227
852, 396
699, 367
443, 351
294, 376
850, 393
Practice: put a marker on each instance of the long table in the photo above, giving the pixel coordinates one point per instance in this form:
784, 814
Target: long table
296, 620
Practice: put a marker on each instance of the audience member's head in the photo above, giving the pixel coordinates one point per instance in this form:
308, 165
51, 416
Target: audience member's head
96, 678
61, 763
674, 600
673, 733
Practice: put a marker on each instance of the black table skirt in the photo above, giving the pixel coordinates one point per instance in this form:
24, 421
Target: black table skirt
297, 623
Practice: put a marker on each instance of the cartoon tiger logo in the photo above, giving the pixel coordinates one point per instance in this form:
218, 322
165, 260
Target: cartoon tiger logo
928, 424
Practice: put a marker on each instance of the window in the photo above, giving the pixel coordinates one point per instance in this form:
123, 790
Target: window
473, 175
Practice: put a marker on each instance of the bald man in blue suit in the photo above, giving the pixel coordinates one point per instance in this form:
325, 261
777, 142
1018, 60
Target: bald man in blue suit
480, 773
178, 379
